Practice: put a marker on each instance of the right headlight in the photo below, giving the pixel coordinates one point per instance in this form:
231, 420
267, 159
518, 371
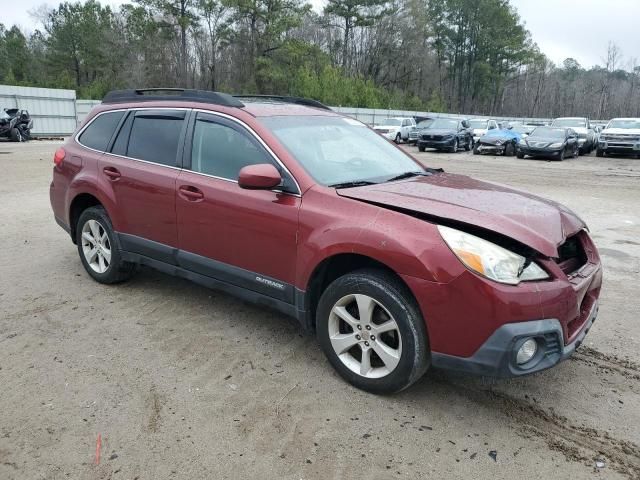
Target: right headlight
489, 259
556, 145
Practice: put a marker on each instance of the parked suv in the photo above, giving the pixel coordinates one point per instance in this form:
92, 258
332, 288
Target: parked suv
620, 136
446, 134
397, 129
394, 266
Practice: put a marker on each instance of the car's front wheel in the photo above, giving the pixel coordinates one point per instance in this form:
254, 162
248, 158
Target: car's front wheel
398, 138
372, 332
98, 249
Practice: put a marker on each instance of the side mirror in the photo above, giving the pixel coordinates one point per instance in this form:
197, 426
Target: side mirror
263, 176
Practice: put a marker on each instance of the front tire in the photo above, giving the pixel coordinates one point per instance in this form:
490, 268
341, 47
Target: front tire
421, 148
454, 147
98, 249
509, 150
599, 153
372, 332
16, 135
398, 139
520, 155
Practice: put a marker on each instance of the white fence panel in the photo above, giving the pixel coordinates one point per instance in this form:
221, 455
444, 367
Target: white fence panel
53, 110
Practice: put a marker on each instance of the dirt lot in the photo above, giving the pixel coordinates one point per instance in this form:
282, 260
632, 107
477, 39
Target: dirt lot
183, 382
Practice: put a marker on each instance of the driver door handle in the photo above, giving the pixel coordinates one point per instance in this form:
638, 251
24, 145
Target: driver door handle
190, 193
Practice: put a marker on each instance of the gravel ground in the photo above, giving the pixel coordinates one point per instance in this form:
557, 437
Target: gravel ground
182, 382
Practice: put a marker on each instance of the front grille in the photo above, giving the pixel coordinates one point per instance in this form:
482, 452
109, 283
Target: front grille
538, 144
571, 255
436, 138
553, 343
620, 138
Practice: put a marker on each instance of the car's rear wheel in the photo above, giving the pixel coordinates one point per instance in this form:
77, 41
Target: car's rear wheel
469, 144
98, 248
421, 148
476, 149
520, 155
372, 332
576, 152
599, 153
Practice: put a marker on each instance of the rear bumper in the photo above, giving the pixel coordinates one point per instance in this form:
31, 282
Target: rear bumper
496, 357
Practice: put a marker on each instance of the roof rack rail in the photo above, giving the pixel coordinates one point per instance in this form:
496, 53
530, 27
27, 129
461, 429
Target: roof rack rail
175, 94
308, 102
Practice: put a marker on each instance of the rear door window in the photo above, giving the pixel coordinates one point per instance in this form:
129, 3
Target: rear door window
154, 136
99, 132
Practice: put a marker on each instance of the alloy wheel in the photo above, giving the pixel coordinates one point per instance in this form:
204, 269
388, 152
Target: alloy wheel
365, 336
96, 246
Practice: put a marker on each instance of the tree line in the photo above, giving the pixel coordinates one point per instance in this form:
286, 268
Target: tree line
459, 56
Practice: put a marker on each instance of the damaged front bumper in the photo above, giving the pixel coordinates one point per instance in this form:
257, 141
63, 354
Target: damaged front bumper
497, 356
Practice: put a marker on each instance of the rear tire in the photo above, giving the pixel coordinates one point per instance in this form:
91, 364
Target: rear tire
421, 148
476, 149
520, 155
360, 306
468, 145
599, 153
98, 248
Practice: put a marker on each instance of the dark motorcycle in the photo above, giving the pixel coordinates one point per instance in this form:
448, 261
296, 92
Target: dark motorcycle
15, 125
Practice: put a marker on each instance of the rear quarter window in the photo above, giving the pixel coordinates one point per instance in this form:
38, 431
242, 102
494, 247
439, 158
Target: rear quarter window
100, 130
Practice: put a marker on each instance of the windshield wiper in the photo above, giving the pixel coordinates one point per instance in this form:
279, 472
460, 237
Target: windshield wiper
404, 175
355, 183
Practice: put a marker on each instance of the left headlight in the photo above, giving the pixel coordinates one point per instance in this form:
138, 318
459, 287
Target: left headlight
556, 145
489, 259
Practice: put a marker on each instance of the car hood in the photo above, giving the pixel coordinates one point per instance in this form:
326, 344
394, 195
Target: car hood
621, 131
479, 131
438, 131
533, 221
531, 138
502, 136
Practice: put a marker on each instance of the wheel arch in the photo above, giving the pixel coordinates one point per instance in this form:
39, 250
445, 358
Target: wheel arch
335, 266
79, 204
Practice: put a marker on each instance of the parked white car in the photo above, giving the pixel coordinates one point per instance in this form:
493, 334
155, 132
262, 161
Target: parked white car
396, 128
481, 126
587, 140
620, 136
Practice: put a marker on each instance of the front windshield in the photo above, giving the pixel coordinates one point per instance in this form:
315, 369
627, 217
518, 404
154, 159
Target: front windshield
337, 150
547, 132
478, 123
424, 123
570, 122
445, 123
394, 122
625, 123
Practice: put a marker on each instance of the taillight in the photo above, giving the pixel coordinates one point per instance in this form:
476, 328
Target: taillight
59, 157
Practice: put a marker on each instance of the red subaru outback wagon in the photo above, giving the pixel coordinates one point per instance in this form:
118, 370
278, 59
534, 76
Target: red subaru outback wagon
282, 202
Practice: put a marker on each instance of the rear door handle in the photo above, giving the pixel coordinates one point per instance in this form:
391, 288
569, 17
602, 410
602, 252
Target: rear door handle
112, 173
191, 193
